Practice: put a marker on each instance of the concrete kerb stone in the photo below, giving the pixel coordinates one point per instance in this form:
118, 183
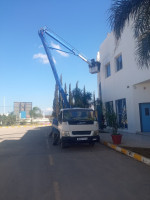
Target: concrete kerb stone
128, 153
20, 126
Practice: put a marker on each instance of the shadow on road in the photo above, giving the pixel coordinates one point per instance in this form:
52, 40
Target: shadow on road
22, 140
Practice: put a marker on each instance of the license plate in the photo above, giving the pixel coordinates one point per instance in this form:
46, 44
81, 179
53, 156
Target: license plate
81, 139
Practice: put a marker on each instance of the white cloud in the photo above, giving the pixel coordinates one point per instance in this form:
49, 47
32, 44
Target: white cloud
58, 47
42, 58
49, 109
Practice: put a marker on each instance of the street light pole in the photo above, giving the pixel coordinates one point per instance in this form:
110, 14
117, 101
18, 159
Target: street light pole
4, 106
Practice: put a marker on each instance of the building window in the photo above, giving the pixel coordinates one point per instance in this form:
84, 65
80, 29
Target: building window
109, 106
119, 63
121, 113
108, 72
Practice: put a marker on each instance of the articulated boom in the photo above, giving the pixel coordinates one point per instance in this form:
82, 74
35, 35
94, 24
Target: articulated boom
94, 66
47, 50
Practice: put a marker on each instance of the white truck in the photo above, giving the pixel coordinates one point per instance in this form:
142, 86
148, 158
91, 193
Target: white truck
75, 125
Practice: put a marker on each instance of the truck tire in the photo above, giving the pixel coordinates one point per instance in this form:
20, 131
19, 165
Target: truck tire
55, 138
92, 144
62, 144
51, 132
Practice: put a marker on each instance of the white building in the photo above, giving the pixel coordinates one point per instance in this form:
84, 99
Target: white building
122, 83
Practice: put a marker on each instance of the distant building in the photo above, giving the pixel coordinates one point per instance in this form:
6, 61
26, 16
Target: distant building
22, 109
122, 85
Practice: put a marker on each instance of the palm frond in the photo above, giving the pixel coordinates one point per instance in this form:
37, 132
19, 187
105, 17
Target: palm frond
120, 12
142, 34
139, 10
143, 50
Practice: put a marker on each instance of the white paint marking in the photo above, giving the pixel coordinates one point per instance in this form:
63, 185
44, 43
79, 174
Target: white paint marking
51, 161
56, 190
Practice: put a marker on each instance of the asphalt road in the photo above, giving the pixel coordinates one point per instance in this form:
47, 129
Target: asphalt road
31, 168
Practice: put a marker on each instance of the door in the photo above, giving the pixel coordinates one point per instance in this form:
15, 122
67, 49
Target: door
145, 117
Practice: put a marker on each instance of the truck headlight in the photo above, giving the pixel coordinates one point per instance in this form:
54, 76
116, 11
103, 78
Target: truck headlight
95, 133
65, 133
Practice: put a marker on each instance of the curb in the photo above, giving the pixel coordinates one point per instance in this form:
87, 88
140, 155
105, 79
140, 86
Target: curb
25, 126
128, 153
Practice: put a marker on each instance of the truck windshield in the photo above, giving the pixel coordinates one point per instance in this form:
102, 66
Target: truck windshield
78, 115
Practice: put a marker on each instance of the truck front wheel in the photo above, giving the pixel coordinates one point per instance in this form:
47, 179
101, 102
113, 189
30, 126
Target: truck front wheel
63, 144
92, 144
55, 138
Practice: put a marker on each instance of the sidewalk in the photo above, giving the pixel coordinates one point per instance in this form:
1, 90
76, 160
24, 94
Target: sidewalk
141, 140
134, 145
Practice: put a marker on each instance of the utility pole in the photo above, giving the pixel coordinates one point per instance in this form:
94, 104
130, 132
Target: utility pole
4, 106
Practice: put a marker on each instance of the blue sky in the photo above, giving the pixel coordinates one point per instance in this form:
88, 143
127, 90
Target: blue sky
25, 74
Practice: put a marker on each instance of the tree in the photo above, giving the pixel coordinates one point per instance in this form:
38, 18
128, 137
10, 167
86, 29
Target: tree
121, 12
65, 89
35, 112
86, 98
56, 103
7, 120
77, 83
81, 98
11, 119
60, 96
84, 95
70, 96
77, 96
94, 101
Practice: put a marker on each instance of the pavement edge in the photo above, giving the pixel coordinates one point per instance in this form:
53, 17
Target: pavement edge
128, 153
20, 126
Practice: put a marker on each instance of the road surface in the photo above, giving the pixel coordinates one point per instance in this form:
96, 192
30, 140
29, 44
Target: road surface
31, 168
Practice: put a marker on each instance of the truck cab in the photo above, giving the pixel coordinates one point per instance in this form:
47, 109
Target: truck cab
77, 125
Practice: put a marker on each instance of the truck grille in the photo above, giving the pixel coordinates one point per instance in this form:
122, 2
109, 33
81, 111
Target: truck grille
81, 132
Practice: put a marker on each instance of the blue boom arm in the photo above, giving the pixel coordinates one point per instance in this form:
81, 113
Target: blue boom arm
92, 63
72, 50
42, 33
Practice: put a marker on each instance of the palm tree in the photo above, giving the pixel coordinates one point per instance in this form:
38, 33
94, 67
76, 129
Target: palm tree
122, 11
